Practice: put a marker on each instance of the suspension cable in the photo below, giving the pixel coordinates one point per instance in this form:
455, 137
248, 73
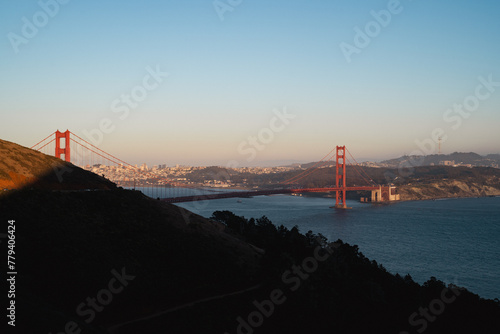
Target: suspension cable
43, 141
310, 171
360, 167
46, 144
321, 161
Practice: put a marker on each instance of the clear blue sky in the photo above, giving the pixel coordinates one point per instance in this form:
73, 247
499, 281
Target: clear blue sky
225, 77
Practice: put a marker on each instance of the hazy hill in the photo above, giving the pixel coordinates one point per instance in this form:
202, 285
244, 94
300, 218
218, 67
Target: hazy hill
495, 157
21, 166
471, 158
474, 159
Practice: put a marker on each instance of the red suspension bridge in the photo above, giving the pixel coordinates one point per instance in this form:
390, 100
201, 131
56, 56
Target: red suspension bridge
72, 148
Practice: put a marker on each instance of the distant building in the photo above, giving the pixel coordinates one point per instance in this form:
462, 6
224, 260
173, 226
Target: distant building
447, 162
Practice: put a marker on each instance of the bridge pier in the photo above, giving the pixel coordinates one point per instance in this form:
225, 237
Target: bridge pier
383, 194
377, 195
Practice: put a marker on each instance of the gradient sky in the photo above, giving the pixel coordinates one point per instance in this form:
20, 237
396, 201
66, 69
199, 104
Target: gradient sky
226, 77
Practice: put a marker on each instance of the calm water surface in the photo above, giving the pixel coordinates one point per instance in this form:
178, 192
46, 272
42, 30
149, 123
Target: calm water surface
455, 240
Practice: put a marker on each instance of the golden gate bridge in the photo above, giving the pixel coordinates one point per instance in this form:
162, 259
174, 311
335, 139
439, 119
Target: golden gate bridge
78, 151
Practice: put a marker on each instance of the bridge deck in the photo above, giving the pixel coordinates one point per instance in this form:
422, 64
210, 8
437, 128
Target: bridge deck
235, 194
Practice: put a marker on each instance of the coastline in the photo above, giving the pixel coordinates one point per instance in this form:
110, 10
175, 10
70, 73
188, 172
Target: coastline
431, 192
446, 189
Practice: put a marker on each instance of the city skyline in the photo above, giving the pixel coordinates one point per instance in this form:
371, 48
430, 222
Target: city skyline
257, 83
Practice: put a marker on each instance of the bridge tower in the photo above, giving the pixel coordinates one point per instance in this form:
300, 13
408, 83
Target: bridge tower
66, 150
340, 179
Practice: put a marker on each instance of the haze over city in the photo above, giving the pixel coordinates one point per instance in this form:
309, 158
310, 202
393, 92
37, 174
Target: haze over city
193, 82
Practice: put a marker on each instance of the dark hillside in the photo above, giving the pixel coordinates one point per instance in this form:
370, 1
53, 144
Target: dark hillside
188, 274
68, 243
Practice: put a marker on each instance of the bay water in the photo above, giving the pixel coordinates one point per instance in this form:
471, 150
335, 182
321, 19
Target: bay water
455, 240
